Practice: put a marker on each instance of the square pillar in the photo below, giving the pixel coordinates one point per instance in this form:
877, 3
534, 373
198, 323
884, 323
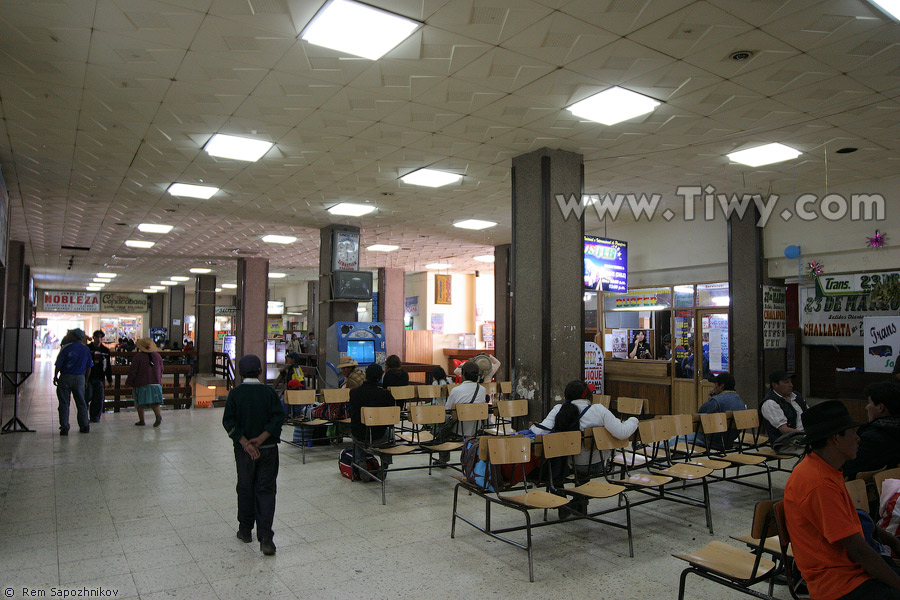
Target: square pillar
205, 322
252, 304
391, 306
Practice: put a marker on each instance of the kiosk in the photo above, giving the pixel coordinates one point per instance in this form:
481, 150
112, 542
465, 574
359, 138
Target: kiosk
362, 341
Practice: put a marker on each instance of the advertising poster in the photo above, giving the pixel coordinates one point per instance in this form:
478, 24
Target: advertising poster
882, 343
124, 303
837, 320
437, 323
71, 301
605, 265
275, 328
774, 317
412, 306
620, 343
860, 283
681, 338
442, 289
593, 366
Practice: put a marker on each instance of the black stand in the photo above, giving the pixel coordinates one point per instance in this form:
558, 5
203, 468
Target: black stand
15, 425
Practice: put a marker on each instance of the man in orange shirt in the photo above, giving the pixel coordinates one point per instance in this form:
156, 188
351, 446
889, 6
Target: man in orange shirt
826, 534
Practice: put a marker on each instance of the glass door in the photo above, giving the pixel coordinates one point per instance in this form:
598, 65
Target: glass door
713, 347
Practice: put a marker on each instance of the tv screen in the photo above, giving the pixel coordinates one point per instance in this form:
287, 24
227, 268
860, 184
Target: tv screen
351, 285
362, 350
605, 265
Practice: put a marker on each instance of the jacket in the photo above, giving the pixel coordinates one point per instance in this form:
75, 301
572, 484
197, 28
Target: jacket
879, 446
789, 412
142, 372
368, 394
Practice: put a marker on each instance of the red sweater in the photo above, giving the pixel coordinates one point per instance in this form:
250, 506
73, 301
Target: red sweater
144, 373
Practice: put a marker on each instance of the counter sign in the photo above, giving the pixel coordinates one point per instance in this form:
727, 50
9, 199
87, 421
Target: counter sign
71, 302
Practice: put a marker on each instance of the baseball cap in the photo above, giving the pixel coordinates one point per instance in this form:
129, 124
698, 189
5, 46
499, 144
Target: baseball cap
249, 363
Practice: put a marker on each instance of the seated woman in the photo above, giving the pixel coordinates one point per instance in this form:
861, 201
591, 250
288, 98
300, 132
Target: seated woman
578, 394
395, 375
439, 377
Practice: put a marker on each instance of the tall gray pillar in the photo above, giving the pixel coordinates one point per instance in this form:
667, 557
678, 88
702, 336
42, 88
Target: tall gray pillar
547, 270
252, 303
391, 306
157, 310
312, 306
501, 310
205, 322
16, 287
330, 311
176, 312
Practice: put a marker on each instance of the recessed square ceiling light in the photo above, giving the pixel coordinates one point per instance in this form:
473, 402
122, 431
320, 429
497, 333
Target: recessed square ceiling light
154, 228
474, 224
279, 239
430, 178
351, 210
764, 155
189, 190
382, 248
168, 283
110, 275
277, 275
94, 288
485, 258
357, 29
237, 148
139, 244
891, 7
201, 270
613, 106
229, 286
158, 287
180, 278
149, 291
438, 266
102, 279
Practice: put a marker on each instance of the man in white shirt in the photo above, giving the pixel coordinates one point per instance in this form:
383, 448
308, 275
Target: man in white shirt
469, 391
781, 407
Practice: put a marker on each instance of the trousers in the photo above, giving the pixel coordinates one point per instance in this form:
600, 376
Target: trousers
256, 490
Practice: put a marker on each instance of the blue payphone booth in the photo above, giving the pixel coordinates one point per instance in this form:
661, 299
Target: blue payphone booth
361, 341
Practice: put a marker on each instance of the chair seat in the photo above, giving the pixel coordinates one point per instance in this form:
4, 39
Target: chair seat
770, 454
726, 560
445, 447
747, 438
710, 463
309, 423
685, 471
631, 460
596, 489
394, 450
772, 543
505, 430
537, 499
745, 459
646, 480
347, 421
684, 448
413, 438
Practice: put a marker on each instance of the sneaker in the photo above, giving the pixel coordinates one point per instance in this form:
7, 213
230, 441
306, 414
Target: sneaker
267, 547
244, 536
84, 429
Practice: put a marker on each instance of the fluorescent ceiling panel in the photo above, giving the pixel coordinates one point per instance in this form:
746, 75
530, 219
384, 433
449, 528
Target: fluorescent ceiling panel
110, 275
230, 286
430, 178
474, 224
613, 106
279, 239
102, 279
351, 210
382, 248
357, 29
201, 270
277, 275
180, 278
149, 291
158, 287
237, 148
168, 283
764, 155
891, 7
139, 244
154, 228
189, 190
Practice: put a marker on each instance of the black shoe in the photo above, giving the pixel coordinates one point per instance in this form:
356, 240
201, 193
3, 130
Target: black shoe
140, 424
244, 536
267, 547
63, 432
84, 429
95, 420
157, 421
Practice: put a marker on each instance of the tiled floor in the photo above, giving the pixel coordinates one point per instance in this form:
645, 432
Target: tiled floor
150, 513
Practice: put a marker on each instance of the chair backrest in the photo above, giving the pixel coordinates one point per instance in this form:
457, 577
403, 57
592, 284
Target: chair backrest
714, 423
490, 387
428, 391
746, 419
604, 440
380, 415
477, 411
450, 386
763, 520
869, 476
423, 414
403, 392
886, 474
509, 450
603, 399
654, 431
857, 490
630, 406
682, 424
562, 443
334, 396
300, 397
512, 408
784, 540
506, 387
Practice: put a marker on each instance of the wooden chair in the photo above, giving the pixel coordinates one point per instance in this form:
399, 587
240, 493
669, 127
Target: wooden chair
633, 407
603, 399
714, 423
302, 398
857, 490
879, 478
472, 412
568, 445
506, 389
490, 387
514, 451
431, 414
747, 424
733, 567
336, 396
429, 392
375, 416
403, 392
784, 540
506, 411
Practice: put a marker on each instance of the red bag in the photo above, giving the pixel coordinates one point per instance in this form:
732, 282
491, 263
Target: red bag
512, 474
348, 470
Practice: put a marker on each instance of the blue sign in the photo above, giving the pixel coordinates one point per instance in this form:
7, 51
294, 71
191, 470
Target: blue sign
605, 265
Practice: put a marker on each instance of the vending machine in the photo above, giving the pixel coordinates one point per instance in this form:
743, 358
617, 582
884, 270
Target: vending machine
361, 341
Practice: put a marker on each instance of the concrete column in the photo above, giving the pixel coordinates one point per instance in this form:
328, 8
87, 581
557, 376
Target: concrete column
547, 269
176, 312
391, 306
205, 321
312, 306
501, 310
329, 311
16, 285
157, 310
252, 299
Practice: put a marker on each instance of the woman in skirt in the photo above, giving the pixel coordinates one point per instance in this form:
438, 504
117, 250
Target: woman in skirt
145, 379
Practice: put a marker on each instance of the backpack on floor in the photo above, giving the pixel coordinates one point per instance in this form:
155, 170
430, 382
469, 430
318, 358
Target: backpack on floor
476, 471
349, 470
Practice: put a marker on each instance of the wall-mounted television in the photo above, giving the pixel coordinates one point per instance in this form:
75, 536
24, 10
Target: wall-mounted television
351, 285
605, 265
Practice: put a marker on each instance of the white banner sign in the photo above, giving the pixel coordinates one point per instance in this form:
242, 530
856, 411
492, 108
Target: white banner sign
882, 343
71, 301
837, 320
593, 366
774, 317
843, 285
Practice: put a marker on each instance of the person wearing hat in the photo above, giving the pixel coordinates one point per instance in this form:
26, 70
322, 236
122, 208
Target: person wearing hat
290, 372
145, 379
353, 376
879, 439
465, 393
781, 407
253, 418
73, 365
826, 533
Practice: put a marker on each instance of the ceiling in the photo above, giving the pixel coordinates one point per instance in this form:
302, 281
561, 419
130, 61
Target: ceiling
105, 103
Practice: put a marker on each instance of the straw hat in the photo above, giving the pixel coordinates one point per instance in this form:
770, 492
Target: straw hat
146, 345
347, 361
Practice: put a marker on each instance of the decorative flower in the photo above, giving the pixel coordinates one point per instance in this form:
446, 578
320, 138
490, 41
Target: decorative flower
876, 241
815, 268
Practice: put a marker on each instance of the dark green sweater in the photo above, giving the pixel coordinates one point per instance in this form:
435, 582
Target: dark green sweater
252, 408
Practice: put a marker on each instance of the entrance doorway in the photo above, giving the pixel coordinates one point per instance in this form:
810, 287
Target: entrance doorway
697, 357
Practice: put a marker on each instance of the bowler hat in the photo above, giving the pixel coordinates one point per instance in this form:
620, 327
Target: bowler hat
826, 419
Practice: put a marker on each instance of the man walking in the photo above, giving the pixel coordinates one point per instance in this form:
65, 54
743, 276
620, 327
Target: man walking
101, 369
72, 366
